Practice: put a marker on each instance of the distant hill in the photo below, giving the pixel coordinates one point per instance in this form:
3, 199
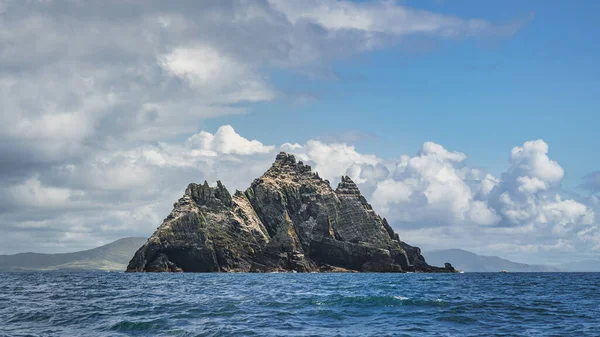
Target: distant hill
113, 256
581, 266
471, 262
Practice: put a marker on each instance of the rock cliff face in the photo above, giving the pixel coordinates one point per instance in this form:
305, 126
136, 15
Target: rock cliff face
287, 220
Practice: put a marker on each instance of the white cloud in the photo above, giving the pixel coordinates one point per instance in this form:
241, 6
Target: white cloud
216, 75
390, 191
487, 185
225, 141
531, 161
387, 17
432, 188
443, 154
531, 185
32, 193
529, 193
332, 160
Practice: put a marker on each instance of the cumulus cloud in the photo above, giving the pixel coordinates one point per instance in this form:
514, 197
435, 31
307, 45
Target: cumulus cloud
528, 194
531, 160
332, 160
430, 187
225, 141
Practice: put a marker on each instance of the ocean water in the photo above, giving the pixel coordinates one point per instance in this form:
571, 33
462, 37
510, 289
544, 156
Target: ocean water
123, 304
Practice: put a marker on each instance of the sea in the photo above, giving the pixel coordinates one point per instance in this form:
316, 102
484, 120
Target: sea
288, 304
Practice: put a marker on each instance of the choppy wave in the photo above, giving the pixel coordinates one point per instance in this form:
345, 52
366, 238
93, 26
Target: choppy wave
119, 304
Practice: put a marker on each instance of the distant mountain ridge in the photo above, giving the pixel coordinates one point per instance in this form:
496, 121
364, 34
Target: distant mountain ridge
115, 256
471, 262
111, 257
581, 266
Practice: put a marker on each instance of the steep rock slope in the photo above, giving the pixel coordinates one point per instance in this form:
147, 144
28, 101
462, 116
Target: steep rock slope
289, 219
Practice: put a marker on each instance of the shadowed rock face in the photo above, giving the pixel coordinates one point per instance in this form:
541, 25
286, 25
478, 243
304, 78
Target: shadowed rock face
287, 220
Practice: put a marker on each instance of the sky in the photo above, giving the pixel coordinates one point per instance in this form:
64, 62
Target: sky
466, 124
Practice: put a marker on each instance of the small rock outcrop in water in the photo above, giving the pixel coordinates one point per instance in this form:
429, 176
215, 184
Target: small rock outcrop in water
287, 220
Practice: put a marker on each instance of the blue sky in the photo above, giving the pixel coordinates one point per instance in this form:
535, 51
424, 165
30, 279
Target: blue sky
480, 96
467, 124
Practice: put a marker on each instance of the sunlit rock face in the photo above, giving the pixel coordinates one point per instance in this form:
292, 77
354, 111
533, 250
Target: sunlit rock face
289, 219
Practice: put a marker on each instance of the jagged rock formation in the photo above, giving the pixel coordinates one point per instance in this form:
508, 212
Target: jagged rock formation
288, 220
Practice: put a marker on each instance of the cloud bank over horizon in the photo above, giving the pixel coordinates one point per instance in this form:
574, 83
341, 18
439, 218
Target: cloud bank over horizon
433, 198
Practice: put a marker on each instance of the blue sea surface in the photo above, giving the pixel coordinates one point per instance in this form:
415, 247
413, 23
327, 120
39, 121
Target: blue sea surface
146, 304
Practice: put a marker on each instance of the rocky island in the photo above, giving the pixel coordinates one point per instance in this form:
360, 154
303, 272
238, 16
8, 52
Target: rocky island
287, 220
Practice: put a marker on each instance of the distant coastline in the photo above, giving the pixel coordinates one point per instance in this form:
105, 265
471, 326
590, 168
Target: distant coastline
115, 256
110, 257
470, 262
